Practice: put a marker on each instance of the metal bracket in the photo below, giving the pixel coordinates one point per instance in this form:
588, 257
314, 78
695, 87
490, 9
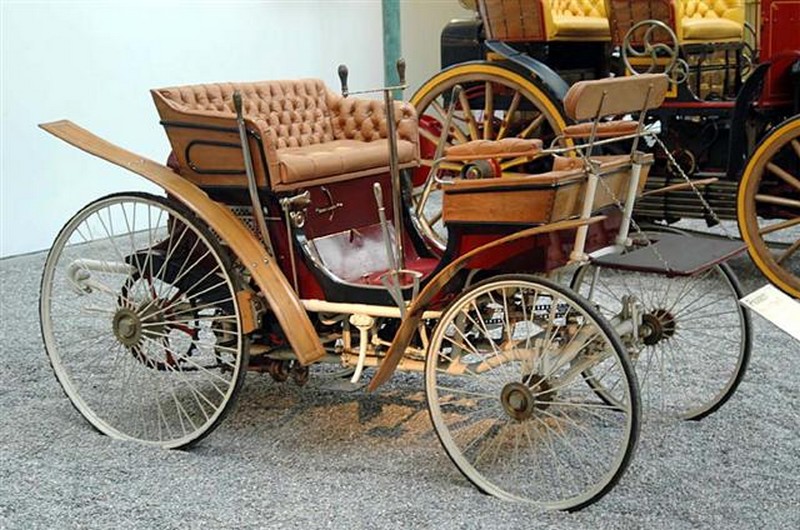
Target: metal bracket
332, 206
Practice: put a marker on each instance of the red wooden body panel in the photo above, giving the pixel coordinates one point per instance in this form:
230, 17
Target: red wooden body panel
780, 44
542, 253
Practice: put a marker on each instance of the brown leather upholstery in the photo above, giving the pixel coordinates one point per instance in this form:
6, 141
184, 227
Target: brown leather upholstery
615, 95
308, 131
605, 129
505, 148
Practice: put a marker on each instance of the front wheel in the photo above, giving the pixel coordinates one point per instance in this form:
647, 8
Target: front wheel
140, 320
505, 386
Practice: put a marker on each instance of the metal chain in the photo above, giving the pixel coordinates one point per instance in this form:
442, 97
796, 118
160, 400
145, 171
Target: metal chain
696, 191
635, 225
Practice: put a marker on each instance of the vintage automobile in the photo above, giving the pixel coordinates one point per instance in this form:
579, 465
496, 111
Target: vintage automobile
730, 122
283, 240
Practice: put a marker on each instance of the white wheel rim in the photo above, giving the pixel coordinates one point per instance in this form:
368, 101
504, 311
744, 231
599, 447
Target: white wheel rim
172, 385
699, 344
545, 448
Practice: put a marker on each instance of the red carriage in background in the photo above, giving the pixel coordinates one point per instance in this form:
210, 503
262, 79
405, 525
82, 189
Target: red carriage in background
729, 122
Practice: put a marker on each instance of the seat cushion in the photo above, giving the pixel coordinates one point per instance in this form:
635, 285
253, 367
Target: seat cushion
338, 158
581, 26
711, 29
505, 148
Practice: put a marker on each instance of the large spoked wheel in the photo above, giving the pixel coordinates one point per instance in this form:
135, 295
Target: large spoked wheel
496, 102
140, 320
507, 395
768, 206
693, 345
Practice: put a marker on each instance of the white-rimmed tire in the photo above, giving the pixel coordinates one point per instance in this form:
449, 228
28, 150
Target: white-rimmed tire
507, 396
140, 320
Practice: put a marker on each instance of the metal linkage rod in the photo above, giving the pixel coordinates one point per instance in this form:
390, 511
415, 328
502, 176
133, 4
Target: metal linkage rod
252, 186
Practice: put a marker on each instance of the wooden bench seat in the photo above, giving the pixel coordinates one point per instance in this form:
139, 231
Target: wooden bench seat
534, 199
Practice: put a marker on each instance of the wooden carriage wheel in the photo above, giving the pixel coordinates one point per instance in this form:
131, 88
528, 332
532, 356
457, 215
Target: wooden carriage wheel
768, 206
496, 102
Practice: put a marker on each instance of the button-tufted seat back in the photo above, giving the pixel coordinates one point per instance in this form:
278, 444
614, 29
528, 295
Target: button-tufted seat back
709, 20
544, 20
693, 21
578, 19
308, 132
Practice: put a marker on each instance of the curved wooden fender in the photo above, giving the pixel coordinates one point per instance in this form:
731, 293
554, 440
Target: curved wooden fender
265, 271
414, 314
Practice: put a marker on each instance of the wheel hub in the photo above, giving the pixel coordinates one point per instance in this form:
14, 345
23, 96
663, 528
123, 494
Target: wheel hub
132, 326
517, 401
520, 400
657, 326
127, 327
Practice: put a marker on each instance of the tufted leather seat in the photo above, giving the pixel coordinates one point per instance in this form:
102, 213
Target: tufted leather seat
545, 20
309, 133
693, 21
709, 20
576, 20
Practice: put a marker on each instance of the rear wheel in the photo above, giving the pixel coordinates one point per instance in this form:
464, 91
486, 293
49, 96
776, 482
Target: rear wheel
504, 380
693, 345
768, 206
496, 102
140, 320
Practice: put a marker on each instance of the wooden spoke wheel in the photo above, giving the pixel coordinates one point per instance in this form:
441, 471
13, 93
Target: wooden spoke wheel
496, 102
141, 322
768, 206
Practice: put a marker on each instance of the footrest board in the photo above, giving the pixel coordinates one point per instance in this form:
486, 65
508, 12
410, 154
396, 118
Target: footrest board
674, 254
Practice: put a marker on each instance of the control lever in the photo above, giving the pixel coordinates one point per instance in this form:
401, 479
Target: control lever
289, 205
401, 71
252, 186
343, 80
387, 237
391, 279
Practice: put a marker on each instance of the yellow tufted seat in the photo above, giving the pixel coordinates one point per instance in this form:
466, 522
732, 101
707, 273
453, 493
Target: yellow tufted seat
544, 20
576, 20
709, 20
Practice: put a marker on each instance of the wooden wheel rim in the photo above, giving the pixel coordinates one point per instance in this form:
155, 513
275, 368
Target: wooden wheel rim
747, 213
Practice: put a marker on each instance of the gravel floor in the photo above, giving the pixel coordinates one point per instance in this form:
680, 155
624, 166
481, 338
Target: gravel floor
311, 458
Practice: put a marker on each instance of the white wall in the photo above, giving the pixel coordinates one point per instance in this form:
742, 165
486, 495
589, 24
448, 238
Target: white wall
93, 63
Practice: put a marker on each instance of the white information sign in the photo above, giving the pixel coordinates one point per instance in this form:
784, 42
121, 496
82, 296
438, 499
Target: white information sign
777, 307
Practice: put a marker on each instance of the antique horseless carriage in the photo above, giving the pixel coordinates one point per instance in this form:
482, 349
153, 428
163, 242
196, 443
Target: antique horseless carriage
274, 249
730, 123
